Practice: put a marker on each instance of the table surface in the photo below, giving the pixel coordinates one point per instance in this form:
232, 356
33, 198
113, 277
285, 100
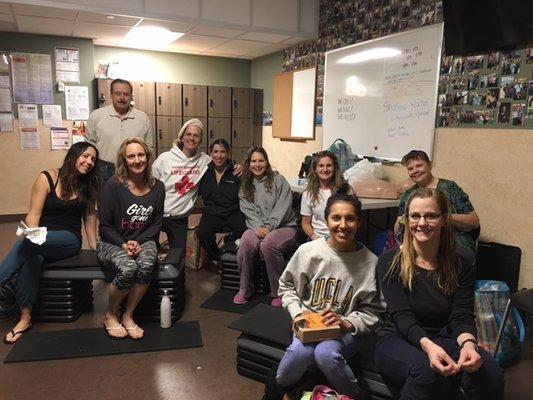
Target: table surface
366, 204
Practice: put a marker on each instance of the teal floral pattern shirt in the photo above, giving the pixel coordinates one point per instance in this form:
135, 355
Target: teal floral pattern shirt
460, 204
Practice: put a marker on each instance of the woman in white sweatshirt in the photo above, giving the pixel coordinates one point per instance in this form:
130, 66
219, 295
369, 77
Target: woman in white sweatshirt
335, 277
180, 170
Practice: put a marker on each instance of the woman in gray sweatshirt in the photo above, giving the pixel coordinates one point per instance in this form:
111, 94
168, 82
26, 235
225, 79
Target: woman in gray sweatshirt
265, 199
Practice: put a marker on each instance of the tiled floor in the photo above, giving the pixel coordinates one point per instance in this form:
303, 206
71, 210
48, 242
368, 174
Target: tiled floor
199, 373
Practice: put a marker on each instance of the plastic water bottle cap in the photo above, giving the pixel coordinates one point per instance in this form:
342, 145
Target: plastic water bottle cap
165, 292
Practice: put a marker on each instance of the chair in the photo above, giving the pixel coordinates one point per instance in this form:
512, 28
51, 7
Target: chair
523, 300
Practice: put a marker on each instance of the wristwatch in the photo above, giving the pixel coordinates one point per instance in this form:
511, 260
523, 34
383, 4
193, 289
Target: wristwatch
476, 347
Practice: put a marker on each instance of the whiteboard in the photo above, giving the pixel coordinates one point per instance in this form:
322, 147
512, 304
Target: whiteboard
380, 96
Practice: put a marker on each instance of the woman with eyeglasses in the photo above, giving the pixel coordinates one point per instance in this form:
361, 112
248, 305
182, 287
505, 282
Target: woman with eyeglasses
463, 218
427, 347
325, 178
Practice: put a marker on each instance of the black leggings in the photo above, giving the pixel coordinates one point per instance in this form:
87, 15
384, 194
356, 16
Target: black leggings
211, 224
176, 230
406, 369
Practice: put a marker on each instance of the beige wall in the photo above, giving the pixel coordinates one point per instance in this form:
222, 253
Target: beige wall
493, 166
20, 168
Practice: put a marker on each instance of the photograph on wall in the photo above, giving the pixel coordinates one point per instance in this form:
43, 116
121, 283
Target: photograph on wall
484, 116
460, 97
504, 113
444, 117
459, 66
517, 113
510, 62
477, 98
468, 116
529, 55
488, 81
507, 91
530, 107
520, 89
492, 98
458, 82
445, 100
454, 116
493, 60
474, 62
473, 80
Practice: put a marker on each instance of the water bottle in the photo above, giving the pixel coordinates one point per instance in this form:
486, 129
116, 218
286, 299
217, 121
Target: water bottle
165, 312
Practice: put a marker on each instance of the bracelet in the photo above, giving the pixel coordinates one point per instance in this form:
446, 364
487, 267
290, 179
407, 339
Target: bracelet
476, 347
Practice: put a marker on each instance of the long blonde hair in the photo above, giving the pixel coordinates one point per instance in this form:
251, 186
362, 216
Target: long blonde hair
403, 263
313, 184
122, 173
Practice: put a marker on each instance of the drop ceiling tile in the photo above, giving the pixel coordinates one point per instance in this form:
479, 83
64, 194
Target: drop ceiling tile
171, 26
237, 47
309, 17
7, 18
123, 5
108, 33
87, 16
293, 40
264, 37
104, 42
184, 8
38, 11
45, 26
229, 11
4, 8
215, 31
8, 26
197, 43
276, 14
265, 50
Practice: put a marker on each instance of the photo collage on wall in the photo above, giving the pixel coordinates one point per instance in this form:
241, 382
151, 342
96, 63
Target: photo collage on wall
492, 89
344, 22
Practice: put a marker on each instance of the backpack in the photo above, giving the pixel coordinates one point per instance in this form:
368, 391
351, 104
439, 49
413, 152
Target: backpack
344, 154
491, 298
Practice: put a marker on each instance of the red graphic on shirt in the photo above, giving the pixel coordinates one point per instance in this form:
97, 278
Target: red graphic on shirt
184, 186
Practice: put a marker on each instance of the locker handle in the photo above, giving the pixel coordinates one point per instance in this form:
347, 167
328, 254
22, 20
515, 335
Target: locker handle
186, 102
235, 134
159, 100
210, 102
234, 103
160, 134
211, 133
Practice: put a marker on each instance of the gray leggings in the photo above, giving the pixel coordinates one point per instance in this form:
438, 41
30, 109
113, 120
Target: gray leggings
128, 270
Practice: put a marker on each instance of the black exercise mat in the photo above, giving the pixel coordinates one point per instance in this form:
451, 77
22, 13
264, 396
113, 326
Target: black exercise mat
266, 322
223, 301
78, 343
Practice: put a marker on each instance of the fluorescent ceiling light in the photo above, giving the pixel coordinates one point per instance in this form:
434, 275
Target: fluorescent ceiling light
372, 54
150, 37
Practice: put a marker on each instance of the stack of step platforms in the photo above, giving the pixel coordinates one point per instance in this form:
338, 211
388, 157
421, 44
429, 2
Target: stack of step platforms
230, 272
62, 300
170, 278
266, 334
66, 288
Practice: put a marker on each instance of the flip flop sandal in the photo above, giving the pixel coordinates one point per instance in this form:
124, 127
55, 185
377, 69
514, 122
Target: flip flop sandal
107, 329
13, 334
133, 329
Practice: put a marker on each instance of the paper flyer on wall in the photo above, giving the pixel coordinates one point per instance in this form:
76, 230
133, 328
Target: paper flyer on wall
52, 115
77, 102
60, 138
28, 117
6, 122
29, 139
5, 99
67, 65
32, 78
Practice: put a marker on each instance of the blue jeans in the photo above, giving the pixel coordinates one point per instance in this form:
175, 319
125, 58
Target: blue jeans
329, 356
27, 258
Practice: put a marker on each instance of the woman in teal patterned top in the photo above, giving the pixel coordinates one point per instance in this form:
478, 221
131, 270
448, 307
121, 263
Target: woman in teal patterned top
464, 218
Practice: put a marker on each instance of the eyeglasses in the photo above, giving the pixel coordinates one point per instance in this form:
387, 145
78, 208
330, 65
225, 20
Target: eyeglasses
431, 217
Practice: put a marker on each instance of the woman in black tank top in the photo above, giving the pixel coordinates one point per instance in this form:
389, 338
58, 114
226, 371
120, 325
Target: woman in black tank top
60, 199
